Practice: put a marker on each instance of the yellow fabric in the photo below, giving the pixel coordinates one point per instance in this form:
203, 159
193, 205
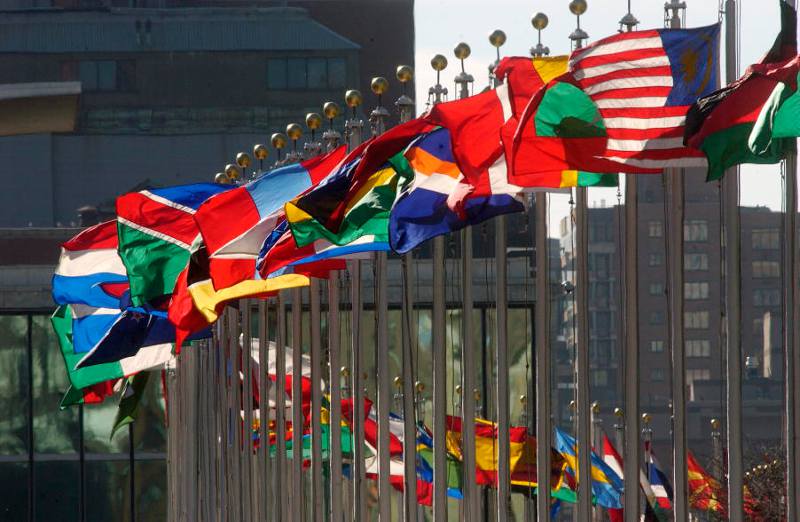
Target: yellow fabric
569, 178
206, 299
550, 67
379, 178
295, 214
597, 474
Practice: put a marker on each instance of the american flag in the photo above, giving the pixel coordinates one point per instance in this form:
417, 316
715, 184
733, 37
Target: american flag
643, 83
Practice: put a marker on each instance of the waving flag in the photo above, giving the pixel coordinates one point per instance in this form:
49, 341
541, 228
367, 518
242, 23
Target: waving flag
606, 485
658, 480
234, 224
652, 511
156, 229
705, 493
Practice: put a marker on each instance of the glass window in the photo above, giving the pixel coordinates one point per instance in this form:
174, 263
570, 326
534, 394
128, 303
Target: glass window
14, 385
766, 239
693, 262
97, 422
656, 259
296, 73
656, 289
600, 378
656, 346
695, 290
317, 73
696, 319
14, 484
655, 229
106, 75
767, 297
766, 269
151, 489
656, 317
656, 374
87, 73
58, 491
276, 74
698, 348
109, 486
337, 73
695, 230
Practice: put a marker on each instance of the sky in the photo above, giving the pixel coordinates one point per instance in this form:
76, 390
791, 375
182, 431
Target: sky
441, 24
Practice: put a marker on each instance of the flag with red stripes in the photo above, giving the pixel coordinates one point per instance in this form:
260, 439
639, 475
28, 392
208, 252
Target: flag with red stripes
643, 83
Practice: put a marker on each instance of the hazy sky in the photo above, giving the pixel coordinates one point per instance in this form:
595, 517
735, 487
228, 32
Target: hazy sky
441, 24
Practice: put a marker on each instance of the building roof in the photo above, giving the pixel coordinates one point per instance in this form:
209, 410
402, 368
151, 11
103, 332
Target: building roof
152, 30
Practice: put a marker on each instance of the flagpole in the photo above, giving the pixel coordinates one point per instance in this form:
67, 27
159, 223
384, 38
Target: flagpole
732, 297
280, 411
405, 105
578, 7
353, 128
263, 405
247, 404
438, 331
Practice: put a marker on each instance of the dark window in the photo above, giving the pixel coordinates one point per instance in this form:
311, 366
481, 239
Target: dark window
337, 73
276, 74
296, 73
104, 75
317, 73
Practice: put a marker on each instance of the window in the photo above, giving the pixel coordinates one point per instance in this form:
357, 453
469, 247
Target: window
766, 269
695, 230
695, 319
656, 346
698, 348
695, 290
656, 289
657, 374
767, 297
599, 378
306, 73
693, 376
655, 229
656, 260
600, 264
766, 239
600, 232
656, 317
107, 75
692, 262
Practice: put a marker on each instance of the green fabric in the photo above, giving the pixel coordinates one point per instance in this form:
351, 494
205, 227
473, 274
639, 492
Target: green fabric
129, 401
346, 441
761, 140
590, 179
727, 148
567, 112
455, 468
72, 397
84, 377
787, 119
153, 265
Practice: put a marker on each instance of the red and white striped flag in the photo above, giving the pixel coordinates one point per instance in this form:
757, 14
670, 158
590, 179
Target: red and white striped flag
643, 83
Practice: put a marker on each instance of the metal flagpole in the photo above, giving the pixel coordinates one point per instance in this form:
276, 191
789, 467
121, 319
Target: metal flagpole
317, 493
280, 411
354, 127
405, 106
675, 295
377, 118
578, 7
298, 495
732, 297
791, 339
503, 413
247, 404
263, 406
331, 139
541, 345
438, 331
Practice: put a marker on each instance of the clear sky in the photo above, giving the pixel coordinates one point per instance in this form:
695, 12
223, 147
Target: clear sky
441, 24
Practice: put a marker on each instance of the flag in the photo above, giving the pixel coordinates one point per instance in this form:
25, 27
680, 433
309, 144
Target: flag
705, 493
424, 209
234, 224
129, 401
743, 122
606, 485
651, 510
156, 229
659, 482
94, 394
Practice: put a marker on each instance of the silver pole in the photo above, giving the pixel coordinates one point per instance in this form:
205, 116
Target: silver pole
468, 379
236, 421
732, 298
298, 500
280, 412
247, 404
503, 412
631, 449
384, 383
439, 328
263, 406
334, 333
359, 491
315, 318
542, 350
582, 355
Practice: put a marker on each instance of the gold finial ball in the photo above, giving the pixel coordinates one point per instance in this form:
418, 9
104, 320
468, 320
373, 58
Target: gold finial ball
476, 393
646, 418
595, 407
458, 389
313, 121
439, 63
353, 98
497, 38
279, 140
404, 73
572, 405
330, 110
344, 371
260, 151
523, 399
618, 412
398, 382
294, 131
419, 386
578, 7
462, 51
540, 21
379, 85
232, 171
715, 424
243, 160
222, 178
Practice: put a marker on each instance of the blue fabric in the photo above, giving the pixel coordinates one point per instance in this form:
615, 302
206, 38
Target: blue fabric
607, 494
191, 196
271, 191
88, 289
694, 59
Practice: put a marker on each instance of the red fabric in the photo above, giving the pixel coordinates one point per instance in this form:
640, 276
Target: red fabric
103, 235
147, 212
182, 313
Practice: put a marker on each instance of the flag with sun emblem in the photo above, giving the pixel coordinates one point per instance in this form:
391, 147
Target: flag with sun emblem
643, 84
